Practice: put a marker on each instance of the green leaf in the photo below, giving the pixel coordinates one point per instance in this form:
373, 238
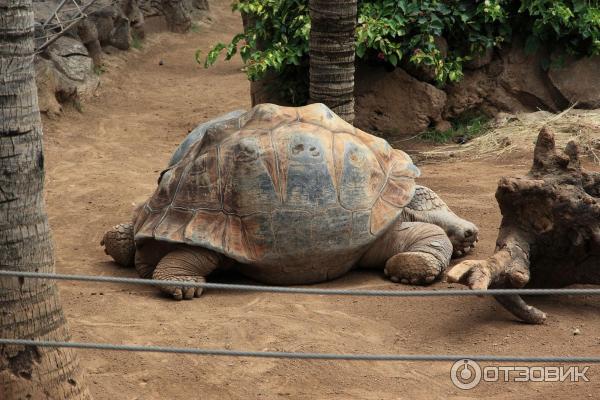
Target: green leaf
393, 59
360, 50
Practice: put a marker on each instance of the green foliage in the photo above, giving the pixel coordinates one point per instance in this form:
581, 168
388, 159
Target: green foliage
464, 128
572, 25
277, 36
407, 30
400, 32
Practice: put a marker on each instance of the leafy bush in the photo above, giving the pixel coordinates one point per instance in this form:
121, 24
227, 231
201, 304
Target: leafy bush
396, 32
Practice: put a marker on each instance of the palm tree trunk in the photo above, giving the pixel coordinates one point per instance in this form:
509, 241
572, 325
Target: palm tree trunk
332, 49
29, 308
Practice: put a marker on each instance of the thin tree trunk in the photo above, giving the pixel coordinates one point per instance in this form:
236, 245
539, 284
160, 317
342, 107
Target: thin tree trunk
332, 50
29, 308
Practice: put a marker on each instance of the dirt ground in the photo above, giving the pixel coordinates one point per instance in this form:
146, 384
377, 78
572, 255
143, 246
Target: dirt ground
105, 158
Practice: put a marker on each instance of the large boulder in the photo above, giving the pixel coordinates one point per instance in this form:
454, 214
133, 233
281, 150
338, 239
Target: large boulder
481, 89
513, 81
578, 80
71, 58
395, 102
524, 78
65, 73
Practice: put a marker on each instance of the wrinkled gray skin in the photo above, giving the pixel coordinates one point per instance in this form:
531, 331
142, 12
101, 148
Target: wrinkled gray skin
416, 249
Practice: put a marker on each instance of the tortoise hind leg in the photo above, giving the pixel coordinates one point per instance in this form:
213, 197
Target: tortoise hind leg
186, 264
412, 252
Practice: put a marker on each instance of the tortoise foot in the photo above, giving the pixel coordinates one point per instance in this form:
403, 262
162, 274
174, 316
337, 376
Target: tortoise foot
463, 235
413, 268
181, 292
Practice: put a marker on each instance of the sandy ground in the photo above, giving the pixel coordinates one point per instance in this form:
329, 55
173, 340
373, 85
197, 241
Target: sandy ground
107, 157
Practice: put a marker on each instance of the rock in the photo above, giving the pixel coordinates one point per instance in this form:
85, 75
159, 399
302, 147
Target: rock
512, 82
88, 33
105, 25
523, 77
46, 86
394, 102
71, 58
169, 9
471, 92
65, 74
67, 46
121, 34
76, 90
576, 332
578, 81
75, 67
443, 126
178, 18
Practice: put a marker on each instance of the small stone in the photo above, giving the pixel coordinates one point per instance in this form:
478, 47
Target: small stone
161, 62
576, 332
443, 126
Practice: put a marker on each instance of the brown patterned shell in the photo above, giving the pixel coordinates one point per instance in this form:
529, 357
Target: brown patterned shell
277, 183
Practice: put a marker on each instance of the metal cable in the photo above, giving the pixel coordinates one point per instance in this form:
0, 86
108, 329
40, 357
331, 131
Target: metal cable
295, 355
300, 290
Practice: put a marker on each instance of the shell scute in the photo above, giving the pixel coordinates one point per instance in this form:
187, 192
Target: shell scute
202, 183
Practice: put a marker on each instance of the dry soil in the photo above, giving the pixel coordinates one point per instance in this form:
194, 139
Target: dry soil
107, 156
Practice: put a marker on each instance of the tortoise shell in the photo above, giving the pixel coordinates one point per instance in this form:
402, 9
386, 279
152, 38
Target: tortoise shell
280, 182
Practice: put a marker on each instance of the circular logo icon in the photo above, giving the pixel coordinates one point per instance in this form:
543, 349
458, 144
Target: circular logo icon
465, 374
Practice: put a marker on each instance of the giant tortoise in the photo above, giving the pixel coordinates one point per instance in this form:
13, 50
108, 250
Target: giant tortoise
288, 196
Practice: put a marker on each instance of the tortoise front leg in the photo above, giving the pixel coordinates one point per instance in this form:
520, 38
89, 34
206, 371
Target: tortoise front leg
427, 206
187, 264
410, 252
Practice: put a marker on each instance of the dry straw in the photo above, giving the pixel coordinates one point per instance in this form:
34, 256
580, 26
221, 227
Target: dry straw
517, 133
